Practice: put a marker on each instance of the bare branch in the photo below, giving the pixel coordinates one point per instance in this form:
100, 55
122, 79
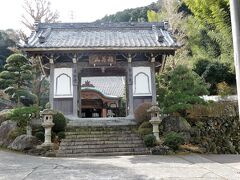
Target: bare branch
38, 10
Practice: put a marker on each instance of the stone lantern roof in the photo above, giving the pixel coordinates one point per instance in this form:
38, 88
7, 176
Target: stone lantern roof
48, 112
154, 109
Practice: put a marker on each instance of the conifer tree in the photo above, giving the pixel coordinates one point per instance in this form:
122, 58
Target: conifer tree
17, 77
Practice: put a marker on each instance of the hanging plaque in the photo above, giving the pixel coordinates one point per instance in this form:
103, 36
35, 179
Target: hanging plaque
102, 60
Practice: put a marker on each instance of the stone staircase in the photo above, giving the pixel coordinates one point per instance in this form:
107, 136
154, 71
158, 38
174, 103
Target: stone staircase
101, 141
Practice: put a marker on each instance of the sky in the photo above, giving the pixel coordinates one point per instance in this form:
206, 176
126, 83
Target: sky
82, 10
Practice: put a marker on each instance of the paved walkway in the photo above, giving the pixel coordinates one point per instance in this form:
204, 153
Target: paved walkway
18, 167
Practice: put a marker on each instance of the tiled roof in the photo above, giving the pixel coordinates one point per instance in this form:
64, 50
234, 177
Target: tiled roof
109, 86
110, 35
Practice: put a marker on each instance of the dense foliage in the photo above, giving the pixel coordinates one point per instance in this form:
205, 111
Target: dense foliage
214, 73
210, 30
173, 140
145, 128
23, 115
59, 122
149, 140
40, 135
16, 77
7, 39
131, 15
179, 88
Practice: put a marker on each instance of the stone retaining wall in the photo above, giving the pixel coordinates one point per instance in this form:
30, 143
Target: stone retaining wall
216, 127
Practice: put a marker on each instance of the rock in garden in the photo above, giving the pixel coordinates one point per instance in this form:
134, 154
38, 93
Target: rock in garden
176, 124
3, 115
161, 150
24, 142
5, 130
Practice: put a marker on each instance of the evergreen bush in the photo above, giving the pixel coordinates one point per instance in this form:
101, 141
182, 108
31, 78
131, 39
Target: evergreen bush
173, 140
180, 88
40, 135
145, 128
149, 140
59, 122
61, 135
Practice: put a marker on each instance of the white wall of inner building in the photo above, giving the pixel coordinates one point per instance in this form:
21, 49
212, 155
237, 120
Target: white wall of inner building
63, 87
142, 85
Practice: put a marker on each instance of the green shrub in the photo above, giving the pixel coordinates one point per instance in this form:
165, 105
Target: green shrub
40, 135
60, 122
22, 115
214, 72
149, 140
141, 113
175, 94
146, 124
223, 89
61, 135
173, 140
144, 131
145, 128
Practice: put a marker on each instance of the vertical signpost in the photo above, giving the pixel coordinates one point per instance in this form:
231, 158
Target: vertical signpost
235, 18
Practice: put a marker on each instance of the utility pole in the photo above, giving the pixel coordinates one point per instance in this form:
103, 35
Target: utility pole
235, 20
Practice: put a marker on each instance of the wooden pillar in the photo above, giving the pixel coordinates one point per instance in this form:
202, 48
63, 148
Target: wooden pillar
75, 87
104, 112
153, 74
235, 18
130, 87
79, 93
51, 88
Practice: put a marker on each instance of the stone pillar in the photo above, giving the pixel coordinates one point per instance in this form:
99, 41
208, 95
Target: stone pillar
153, 74
130, 88
75, 87
51, 88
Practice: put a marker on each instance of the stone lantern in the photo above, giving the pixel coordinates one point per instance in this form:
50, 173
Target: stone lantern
155, 120
47, 124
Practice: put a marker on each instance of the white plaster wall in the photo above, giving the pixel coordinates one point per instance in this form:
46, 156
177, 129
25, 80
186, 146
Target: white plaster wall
63, 87
142, 85
219, 98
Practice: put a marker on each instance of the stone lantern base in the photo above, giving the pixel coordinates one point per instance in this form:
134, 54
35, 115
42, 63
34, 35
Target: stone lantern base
155, 123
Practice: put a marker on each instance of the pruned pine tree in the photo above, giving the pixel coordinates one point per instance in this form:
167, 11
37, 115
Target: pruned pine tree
17, 77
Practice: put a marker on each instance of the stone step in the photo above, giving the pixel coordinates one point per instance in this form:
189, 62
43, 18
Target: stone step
103, 146
122, 139
103, 154
101, 128
98, 132
100, 136
91, 142
101, 140
102, 150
